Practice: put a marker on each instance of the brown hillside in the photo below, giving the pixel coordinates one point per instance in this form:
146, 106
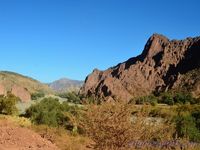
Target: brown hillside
21, 86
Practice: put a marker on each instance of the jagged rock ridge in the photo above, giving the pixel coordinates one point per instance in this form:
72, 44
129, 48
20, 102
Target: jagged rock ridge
161, 66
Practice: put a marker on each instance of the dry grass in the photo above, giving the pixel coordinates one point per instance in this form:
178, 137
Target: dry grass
63, 139
19, 121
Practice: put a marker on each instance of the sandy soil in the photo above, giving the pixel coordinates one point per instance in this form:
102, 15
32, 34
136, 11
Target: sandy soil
18, 138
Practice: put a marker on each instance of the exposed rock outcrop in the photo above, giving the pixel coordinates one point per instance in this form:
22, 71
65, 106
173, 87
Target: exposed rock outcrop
18, 91
21, 92
160, 67
21, 86
2, 90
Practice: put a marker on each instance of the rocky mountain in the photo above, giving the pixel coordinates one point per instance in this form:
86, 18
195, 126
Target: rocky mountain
163, 65
21, 86
66, 85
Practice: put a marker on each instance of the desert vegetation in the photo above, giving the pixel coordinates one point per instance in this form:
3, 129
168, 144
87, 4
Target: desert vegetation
163, 121
51, 112
8, 104
72, 97
169, 98
37, 95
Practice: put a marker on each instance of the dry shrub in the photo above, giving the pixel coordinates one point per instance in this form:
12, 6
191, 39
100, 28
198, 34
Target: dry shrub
112, 126
63, 139
15, 120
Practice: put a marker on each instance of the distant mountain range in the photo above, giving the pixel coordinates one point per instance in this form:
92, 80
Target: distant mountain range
65, 85
23, 86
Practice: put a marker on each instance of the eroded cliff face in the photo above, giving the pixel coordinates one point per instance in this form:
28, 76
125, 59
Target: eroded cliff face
22, 93
160, 67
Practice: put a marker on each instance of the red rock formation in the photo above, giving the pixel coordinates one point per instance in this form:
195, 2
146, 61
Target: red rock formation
160, 65
21, 92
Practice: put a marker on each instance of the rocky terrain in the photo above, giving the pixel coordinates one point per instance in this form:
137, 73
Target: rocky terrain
13, 137
66, 85
21, 86
163, 65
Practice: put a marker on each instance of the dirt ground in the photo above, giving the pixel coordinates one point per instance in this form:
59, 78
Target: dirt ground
13, 137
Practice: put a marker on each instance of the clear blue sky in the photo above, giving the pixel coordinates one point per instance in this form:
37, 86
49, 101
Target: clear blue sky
49, 39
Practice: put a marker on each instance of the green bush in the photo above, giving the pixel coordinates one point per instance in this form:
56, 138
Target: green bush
182, 98
167, 98
51, 112
171, 98
187, 122
196, 116
48, 111
37, 95
8, 104
71, 97
151, 99
71, 117
186, 128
